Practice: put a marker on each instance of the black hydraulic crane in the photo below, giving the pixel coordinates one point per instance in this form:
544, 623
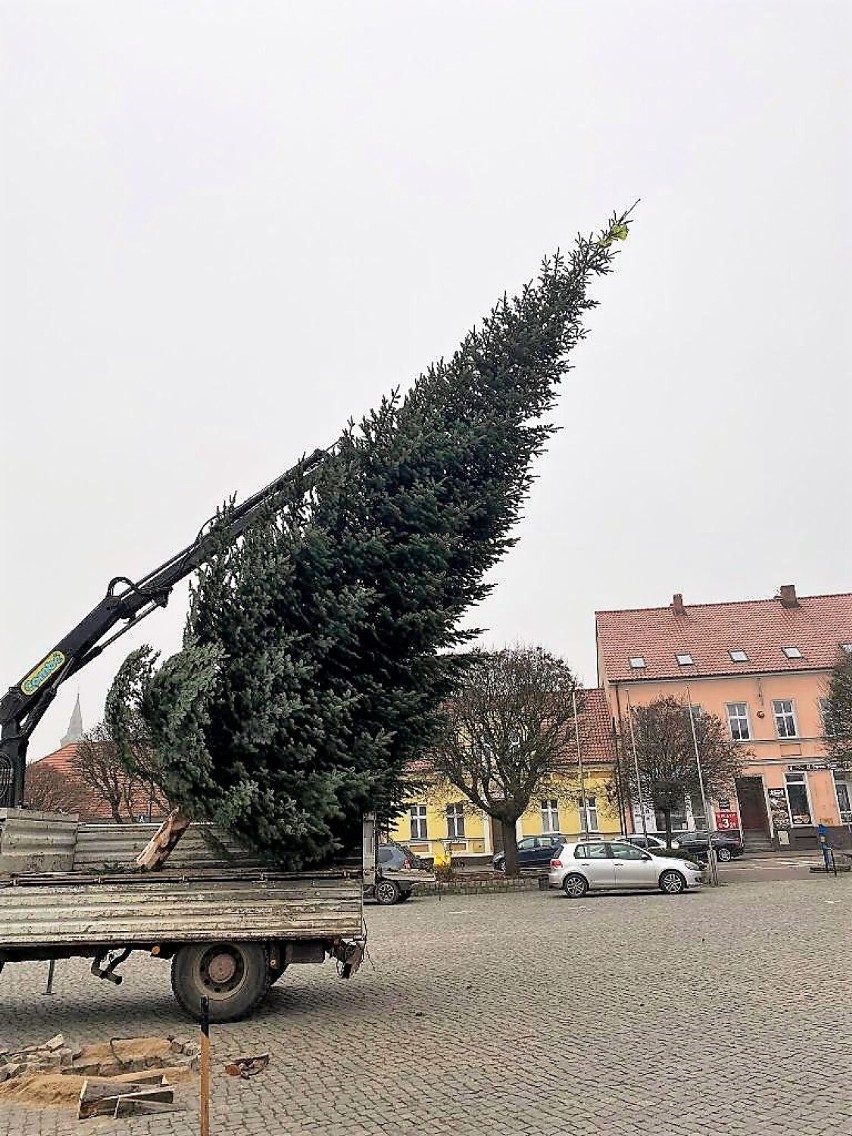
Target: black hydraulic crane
125, 602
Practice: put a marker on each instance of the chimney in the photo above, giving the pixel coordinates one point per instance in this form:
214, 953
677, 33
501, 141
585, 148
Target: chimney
677, 604
787, 595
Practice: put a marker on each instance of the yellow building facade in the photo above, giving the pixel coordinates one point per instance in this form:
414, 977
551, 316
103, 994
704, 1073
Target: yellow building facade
436, 823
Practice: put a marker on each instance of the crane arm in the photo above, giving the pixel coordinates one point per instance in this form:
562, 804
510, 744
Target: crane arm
124, 604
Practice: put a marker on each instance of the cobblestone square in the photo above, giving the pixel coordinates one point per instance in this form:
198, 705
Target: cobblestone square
723, 1012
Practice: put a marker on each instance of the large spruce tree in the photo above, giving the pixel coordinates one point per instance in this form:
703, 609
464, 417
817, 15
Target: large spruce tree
316, 652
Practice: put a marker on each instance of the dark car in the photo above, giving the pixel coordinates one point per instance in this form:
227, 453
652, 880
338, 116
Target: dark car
533, 852
725, 844
399, 871
647, 841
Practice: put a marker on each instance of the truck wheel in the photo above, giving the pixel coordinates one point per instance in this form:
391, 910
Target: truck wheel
233, 976
723, 854
386, 892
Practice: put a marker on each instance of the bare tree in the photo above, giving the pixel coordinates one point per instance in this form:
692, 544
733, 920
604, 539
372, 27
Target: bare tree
665, 755
125, 726
115, 761
48, 791
96, 765
838, 713
506, 733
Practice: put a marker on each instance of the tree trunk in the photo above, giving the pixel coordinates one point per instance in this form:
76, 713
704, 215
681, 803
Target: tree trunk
510, 845
116, 813
667, 815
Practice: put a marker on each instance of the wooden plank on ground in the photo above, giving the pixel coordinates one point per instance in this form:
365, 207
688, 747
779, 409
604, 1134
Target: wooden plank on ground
100, 1098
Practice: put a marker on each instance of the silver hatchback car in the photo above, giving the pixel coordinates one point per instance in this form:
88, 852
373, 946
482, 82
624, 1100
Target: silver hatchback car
610, 864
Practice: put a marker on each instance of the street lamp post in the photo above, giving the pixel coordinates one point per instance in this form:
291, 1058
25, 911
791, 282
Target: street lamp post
713, 873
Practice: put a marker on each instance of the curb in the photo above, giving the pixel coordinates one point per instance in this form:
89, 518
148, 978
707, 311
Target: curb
481, 887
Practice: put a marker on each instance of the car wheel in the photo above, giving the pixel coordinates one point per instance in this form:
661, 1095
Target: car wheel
672, 883
723, 854
387, 892
575, 886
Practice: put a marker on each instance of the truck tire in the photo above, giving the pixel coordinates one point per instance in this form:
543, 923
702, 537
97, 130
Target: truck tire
233, 976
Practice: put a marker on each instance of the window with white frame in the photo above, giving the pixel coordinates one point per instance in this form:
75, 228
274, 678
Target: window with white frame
797, 798
455, 820
550, 815
844, 798
738, 722
419, 829
785, 718
588, 814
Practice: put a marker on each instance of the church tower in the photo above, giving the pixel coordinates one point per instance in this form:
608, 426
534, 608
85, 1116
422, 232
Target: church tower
75, 726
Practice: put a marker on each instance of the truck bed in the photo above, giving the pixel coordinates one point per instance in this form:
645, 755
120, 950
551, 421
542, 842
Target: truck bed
73, 911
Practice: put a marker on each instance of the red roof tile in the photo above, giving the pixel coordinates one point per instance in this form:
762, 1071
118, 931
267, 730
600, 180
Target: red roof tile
84, 798
596, 741
817, 625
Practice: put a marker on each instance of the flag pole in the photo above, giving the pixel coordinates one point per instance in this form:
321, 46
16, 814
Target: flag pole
636, 768
584, 814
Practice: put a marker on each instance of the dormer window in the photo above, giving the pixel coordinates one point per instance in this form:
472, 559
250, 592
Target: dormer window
685, 660
738, 656
637, 662
792, 652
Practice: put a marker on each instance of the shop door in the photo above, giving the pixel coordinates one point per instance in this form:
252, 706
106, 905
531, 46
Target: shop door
496, 834
752, 804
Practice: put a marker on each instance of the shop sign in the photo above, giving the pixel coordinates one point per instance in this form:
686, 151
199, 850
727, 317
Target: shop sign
802, 766
726, 819
725, 804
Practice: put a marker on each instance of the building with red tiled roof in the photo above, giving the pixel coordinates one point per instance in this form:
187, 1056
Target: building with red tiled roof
760, 665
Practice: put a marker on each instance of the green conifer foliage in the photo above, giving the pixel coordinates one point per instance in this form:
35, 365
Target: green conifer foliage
317, 650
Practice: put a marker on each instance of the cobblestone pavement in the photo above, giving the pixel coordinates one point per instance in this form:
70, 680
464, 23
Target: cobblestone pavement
724, 1012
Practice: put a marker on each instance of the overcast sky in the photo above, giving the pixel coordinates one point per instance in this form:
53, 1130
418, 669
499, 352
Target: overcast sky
227, 227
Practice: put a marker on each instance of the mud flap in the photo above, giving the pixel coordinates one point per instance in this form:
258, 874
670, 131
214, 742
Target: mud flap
350, 954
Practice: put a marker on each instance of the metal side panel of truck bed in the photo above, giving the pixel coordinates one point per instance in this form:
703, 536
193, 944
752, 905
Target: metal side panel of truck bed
141, 911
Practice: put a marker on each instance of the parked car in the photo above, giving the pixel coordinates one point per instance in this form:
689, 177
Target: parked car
533, 852
726, 844
617, 864
646, 841
398, 872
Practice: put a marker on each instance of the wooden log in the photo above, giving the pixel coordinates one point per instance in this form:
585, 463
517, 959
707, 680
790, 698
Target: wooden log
160, 846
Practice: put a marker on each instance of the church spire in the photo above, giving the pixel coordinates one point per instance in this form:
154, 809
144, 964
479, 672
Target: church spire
75, 726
